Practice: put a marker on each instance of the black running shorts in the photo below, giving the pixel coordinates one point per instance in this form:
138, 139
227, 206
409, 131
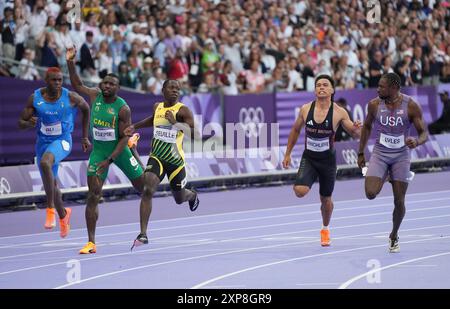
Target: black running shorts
176, 174
311, 168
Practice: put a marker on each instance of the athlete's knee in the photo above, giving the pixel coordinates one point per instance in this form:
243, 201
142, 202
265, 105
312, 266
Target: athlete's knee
93, 197
371, 194
326, 201
45, 164
179, 200
301, 191
148, 192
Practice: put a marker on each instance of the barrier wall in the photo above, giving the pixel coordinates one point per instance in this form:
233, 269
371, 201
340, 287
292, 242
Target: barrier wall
211, 112
248, 112
17, 146
200, 166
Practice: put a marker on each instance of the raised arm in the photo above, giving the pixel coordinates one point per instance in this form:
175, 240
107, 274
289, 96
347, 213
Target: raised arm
26, 120
365, 132
75, 80
415, 116
293, 136
82, 105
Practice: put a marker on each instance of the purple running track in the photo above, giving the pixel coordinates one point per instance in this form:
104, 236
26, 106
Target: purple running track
248, 238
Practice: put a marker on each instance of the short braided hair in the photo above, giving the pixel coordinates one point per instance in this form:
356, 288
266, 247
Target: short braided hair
393, 79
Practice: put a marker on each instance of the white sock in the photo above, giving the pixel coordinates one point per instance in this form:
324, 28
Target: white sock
324, 227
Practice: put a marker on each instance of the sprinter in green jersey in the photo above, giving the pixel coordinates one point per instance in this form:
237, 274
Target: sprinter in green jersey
110, 115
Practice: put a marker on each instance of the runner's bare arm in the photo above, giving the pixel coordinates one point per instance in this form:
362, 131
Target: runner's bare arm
296, 129
367, 126
185, 122
26, 120
416, 118
366, 130
75, 80
352, 127
144, 123
294, 134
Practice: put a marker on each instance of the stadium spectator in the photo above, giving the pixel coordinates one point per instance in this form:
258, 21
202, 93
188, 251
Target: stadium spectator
442, 124
27, 70
324, 36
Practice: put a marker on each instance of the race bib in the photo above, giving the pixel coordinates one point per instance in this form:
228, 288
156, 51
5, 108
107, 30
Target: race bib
165, 135
392, 142
51, 129
193, 70
104, 134
317, 145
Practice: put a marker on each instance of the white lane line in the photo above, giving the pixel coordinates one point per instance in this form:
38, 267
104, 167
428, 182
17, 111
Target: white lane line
32, 244
316, 283
218, 278
228, 240
226, 287
356, 237
233, 239
240, 212
236, 251
373, 271
250, 238
234, 230
423, 265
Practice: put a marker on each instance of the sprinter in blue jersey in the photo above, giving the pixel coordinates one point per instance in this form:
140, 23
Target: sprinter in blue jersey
52, 110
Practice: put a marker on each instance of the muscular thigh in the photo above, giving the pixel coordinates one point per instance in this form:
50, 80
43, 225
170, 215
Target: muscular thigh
327, 176
307, 173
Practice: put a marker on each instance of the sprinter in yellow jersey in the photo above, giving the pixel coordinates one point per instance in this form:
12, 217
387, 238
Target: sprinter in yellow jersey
170, 119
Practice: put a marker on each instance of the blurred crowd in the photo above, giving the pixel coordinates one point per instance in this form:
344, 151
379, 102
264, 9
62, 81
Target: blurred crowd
234, 46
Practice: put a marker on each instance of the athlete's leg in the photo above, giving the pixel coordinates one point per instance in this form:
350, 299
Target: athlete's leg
306, 176
399, 174
177, 179
152, 177
184, 195
326, 208
399, 188
138, 183
376, 175
53, 154
48, 181
373, 186
327, 177
151, 182
58, 196
301, 191
95, 185
48, 168
130, 166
